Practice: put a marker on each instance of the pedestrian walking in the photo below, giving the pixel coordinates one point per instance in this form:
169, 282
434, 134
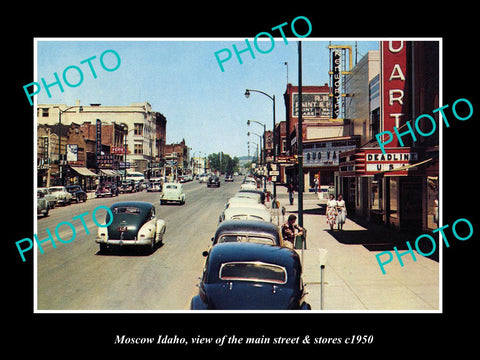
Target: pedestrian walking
341, 212
291, 192
315, 182
331, 211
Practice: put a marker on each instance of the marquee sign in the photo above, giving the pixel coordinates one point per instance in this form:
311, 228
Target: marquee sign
368, 162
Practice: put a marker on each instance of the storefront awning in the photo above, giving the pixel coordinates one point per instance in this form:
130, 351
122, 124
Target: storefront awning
107, 172
84, 171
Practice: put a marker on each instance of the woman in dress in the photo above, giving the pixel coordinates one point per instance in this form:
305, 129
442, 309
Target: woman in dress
331, 211
341, 211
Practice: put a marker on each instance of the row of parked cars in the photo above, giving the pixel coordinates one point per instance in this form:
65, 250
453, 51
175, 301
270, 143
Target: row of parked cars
247, 266
49, 198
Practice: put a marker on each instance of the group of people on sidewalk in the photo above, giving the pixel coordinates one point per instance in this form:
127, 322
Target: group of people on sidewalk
336, 212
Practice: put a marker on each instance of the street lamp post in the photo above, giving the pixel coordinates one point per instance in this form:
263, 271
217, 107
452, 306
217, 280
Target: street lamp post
60, 112
271, 97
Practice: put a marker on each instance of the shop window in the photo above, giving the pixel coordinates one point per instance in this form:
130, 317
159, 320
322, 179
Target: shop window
394, 197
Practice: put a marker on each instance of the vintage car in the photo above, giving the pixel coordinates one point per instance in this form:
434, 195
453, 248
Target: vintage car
203, 178
77, 193
253, 194
247, 192
127, 186
172, 192
228, 177
134, 224
106, 189
248, 186
252, 231
43, 206
213, 181
250, 276
62, 196
257, 212
154, 185
52, 201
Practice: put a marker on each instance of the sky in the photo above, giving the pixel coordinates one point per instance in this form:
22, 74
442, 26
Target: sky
182, 79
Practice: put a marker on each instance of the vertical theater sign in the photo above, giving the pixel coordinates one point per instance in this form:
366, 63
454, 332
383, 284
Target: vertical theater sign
393, 94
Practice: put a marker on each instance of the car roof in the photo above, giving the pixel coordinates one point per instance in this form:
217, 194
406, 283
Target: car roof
246, 226
250, 211
143, 205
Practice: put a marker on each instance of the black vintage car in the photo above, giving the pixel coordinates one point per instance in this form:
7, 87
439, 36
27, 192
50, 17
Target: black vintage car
77, 193
213, 181
249, 276
134, 223
251, 231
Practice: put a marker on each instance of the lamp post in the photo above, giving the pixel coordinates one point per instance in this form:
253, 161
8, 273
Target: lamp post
60, 112
271, 97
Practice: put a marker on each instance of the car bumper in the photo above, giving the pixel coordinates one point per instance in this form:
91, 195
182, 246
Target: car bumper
141, 242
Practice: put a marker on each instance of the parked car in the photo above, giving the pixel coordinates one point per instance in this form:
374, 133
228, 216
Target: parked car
106, 189
43, 207
127, 186
134, 223
62, 196
258, 192
248, 186
246, 213
228, 177
172, 192
203, 178
249, 276
213, 181
251, 195
77, 193
154, 185
251, 231
47, 193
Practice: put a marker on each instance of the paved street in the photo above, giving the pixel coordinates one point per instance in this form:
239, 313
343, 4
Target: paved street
75, 276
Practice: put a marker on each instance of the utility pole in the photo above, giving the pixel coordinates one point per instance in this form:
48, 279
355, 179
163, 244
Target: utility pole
300, 139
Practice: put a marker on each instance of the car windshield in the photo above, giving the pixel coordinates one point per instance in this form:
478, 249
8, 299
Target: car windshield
246, 238
126, 210
171, 186
253, 271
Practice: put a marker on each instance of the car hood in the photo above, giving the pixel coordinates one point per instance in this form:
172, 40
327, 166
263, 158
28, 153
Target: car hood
246, 295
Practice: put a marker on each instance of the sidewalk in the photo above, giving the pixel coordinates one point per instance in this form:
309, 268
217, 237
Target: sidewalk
353, 280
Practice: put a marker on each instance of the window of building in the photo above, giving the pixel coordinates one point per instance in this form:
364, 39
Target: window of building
138, 129
138, 149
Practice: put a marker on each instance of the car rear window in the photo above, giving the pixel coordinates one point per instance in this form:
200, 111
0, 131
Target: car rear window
253, 271
132, 210
171, 186
246, 238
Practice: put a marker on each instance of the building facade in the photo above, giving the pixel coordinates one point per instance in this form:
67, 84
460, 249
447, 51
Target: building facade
144, 128
397, 186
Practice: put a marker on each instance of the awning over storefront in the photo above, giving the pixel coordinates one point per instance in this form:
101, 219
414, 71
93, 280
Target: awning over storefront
83, 171
107, 172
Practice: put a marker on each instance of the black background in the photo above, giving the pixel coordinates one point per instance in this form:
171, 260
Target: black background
60, 335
